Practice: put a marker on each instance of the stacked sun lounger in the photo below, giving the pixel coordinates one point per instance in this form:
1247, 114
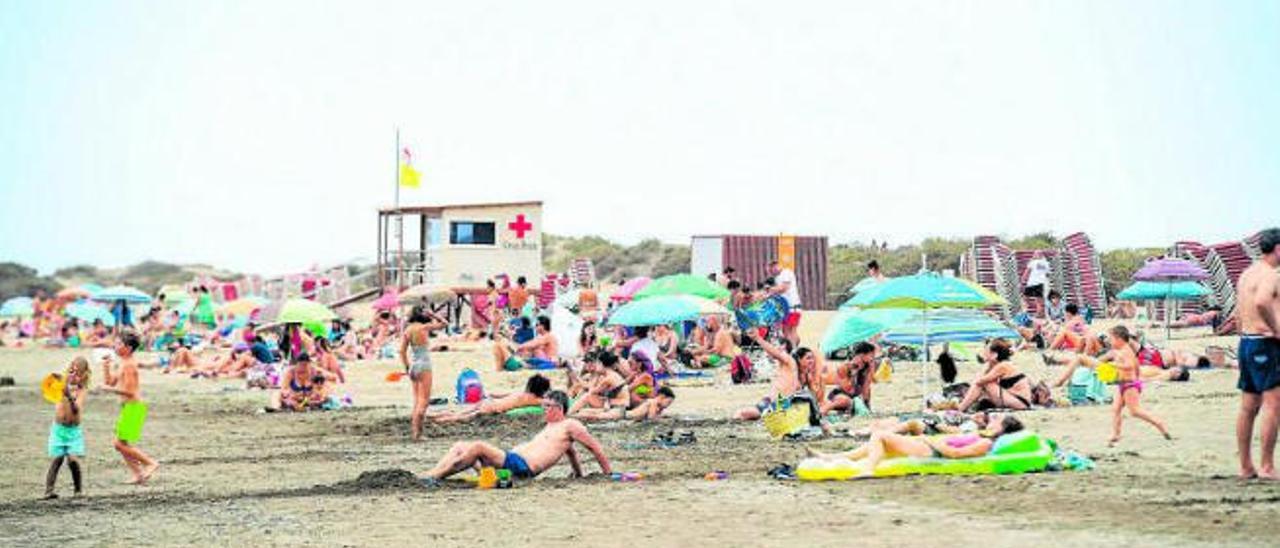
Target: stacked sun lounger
992, 265
1084, 273
583, 272
547, 292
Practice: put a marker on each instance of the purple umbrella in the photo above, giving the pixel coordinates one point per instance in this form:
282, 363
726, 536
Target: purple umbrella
1165, 270
1169, 270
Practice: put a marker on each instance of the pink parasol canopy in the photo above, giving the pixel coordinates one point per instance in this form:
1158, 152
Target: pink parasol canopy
629, 289
388, 301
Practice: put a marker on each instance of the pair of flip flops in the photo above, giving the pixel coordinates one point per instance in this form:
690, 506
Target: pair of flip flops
672, 439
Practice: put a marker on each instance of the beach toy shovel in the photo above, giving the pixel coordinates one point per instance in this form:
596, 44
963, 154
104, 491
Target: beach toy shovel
395, 376
52, 387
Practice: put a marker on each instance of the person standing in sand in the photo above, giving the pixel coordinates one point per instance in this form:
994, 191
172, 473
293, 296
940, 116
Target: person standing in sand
527, 460
784, 280
415, 356
133, 411
1258, 293
66, 439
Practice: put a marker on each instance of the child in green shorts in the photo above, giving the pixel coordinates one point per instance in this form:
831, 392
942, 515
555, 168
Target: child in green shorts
133, 411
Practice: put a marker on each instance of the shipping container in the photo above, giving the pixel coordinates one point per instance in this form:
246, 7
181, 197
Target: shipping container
750, 257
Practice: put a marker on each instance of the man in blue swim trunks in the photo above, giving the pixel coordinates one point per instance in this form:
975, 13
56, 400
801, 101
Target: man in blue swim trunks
527, 460
1258, 295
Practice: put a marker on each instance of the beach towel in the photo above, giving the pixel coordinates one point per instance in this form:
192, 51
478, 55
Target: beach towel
765, 313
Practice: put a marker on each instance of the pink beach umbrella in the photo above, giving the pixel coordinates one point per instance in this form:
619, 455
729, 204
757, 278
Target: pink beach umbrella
629, 289
388, 301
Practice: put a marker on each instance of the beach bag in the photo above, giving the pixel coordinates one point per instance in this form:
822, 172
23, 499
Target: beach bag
1085, 388
740, 370
468, 387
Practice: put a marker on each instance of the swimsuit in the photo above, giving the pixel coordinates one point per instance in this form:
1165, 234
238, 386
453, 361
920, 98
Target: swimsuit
419, 360
1008, 383
1127, 385
129, 425
66, 440
517, 465
1259, 364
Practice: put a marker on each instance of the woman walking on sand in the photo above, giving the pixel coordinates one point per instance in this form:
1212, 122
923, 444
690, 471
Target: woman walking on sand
415, 355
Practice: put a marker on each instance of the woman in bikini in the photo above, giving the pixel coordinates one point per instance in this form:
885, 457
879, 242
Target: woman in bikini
1128, 384
1000, 385
302, 387
415, 356
609, 388
884, 444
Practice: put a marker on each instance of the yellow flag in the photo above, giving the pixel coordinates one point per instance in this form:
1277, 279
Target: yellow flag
409, 177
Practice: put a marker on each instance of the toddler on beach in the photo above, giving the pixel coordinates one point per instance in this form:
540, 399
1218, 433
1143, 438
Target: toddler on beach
66, 440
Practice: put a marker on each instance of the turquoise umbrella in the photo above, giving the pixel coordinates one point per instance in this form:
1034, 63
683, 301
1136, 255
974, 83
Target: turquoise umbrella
122, 293
851, 326
87, 313
17, 307
924, 292
1166, 291
902, 326
663, 310
91, 288
683, 284
1151, 291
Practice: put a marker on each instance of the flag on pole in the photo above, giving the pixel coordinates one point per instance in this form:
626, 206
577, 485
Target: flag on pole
409, 177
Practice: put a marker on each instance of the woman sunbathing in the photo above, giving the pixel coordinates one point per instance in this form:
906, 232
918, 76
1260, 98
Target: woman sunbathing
534, 389
884, 445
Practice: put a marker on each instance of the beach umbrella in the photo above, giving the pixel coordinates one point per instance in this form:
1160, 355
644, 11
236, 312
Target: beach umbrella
304, 311
72, 294
629, 289
88, 312
122, 293
865, 284
244, 306
1152, 291
432, 294
683, 284
1169, 271
17, 307
904, 326
91, 288
663, 310
1167, 291
851, 326
924, 292
389, 300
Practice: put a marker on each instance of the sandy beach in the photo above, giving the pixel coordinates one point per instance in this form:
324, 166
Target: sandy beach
232, 475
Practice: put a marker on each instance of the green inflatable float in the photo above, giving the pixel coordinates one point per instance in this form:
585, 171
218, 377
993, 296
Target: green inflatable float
1016, 453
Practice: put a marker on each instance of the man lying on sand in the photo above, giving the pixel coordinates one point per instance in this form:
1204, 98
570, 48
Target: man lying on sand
534, 389
530, 459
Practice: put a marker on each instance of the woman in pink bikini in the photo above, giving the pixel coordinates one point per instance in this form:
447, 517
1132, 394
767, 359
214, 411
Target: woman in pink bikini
885, 444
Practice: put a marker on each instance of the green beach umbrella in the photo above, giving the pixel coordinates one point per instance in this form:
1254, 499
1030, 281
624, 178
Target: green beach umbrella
683, 284
926, 291
304, 311
663, 310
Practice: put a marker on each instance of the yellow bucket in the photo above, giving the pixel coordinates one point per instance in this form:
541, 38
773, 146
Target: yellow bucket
1107, 372
51, 387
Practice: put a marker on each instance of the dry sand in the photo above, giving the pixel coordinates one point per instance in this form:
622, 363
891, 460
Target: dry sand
233, 476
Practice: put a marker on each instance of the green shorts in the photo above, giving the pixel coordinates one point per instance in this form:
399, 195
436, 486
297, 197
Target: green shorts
129, 425
66, 440
716, 360
513, 364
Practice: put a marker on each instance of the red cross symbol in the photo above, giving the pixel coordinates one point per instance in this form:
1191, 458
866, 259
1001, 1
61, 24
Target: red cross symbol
520, 226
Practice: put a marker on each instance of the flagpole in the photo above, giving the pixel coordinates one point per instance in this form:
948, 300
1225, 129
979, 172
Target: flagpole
399, 219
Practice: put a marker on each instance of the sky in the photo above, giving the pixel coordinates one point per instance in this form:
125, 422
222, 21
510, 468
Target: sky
260, 135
